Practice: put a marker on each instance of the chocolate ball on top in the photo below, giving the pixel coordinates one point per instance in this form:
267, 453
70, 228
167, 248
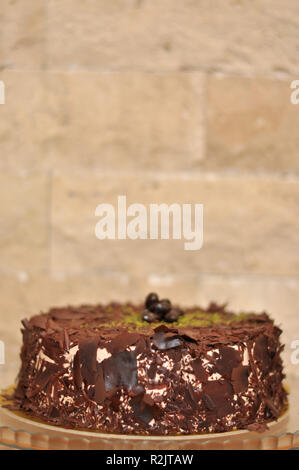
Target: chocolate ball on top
159, 310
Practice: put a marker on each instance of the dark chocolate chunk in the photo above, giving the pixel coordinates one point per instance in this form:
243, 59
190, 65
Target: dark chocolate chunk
199, 370
261, 352
229, 358
151, 371
208, 402
88, 360
51, 347
240, 378
120, 370
221, 393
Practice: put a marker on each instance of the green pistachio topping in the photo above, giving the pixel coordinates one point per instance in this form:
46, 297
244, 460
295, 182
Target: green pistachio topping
133, 319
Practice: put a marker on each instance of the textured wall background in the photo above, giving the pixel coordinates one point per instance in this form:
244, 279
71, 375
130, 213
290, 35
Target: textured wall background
165, 101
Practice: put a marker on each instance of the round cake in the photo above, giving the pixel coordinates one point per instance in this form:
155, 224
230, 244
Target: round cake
151, 369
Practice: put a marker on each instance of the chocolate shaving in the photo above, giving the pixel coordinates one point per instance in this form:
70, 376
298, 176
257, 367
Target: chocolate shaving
77, 371
52, 325
214, 307
43, 378
272, 407
191, 397
88, 360
258, 427
39, 321
144, 408
100, 391
122, 341
140, 346
166, 339
66, 340
261, 352
25, 323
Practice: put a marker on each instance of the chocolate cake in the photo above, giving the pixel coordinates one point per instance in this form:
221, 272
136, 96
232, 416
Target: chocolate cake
151, 369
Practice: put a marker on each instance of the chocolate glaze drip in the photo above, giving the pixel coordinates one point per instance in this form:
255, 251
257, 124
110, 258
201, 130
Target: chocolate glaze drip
78, 371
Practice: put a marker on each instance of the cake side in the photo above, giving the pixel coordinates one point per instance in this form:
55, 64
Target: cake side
108, 369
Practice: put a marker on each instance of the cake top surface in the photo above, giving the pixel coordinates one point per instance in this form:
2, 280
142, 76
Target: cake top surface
105, 322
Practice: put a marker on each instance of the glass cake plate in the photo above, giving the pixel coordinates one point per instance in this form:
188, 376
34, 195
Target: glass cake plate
19, 431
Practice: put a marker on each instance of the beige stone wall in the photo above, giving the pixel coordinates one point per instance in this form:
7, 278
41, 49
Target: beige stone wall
164, 101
